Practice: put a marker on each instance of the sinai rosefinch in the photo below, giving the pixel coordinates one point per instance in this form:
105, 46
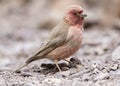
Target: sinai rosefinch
64, 40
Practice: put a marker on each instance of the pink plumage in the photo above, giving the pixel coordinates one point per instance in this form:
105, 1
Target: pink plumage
65, 39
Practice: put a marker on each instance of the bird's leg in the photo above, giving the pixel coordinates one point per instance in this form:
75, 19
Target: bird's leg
67, 60
71, 64
57, 65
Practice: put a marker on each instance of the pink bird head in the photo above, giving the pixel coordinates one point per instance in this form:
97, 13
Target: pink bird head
74, 15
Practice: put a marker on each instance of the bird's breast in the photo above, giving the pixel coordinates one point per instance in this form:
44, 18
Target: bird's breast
69, 48
76, 38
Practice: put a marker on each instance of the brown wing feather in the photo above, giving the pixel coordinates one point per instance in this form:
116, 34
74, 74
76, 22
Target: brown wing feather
57, 38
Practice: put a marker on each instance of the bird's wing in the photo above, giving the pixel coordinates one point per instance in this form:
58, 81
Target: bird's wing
57, 38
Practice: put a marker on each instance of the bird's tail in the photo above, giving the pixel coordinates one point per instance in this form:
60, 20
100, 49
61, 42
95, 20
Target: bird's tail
32, 59
27, 62
21, 67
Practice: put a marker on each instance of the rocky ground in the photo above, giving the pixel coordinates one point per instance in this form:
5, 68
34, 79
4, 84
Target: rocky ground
24, 24
97, 63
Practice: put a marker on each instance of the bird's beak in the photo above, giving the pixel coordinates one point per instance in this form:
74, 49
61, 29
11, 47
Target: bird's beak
83, 15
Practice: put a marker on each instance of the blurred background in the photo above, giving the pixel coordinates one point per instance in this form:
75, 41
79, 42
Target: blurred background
45, 14
24, 24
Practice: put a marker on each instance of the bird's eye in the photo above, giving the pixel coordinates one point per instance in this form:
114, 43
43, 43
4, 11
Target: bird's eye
75, 14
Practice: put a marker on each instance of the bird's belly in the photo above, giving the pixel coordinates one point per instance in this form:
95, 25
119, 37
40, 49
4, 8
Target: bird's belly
64, 51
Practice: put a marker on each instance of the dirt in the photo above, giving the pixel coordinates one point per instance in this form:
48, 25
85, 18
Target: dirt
92, 65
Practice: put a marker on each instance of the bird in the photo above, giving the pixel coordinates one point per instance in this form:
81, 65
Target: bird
65, 38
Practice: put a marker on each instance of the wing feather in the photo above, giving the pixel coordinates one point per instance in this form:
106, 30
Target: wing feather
57, 38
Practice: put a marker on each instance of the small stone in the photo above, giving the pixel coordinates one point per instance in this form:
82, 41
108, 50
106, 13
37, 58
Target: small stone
65, 73
116, 54
51, 82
